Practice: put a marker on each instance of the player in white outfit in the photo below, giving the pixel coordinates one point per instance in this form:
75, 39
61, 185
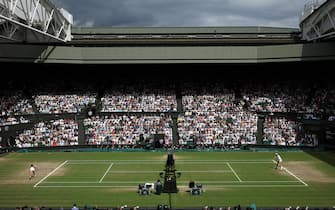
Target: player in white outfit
279, 161
32, 171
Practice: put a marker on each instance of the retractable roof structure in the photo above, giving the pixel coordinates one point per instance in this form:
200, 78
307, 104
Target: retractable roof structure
318, 20
34, 21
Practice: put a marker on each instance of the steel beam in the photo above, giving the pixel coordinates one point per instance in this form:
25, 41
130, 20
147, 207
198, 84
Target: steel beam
318, 23
35, 21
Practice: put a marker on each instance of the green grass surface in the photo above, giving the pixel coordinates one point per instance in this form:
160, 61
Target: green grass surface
110, 179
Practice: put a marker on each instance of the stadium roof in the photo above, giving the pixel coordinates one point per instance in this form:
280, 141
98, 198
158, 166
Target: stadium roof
177, 45
184, 36
179, 30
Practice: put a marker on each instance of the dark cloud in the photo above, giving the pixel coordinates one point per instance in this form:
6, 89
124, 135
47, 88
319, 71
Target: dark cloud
284, 13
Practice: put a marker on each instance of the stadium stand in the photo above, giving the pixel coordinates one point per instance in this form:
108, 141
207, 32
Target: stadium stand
189, 111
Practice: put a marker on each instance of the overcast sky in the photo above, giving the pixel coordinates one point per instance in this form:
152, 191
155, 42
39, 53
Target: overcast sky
277, 13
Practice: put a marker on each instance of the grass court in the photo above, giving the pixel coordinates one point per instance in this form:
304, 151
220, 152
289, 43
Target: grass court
109, 179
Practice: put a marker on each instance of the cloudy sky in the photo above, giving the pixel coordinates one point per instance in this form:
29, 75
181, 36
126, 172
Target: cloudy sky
279, 13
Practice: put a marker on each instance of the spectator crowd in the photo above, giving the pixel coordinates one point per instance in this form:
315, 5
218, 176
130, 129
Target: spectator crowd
207, 115
61, 132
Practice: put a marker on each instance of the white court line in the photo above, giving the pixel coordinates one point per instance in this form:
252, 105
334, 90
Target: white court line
65, 182
209, 171
145, 172
186, 162
72, 186
292, 174
160, 162
222, 162
50, 173
300, 180
185, 186
134, 182
129, 182
260, 160
88, 163
131, 172
110, 166
243, 181
274, 185
234, 172
110, 182
120, 161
